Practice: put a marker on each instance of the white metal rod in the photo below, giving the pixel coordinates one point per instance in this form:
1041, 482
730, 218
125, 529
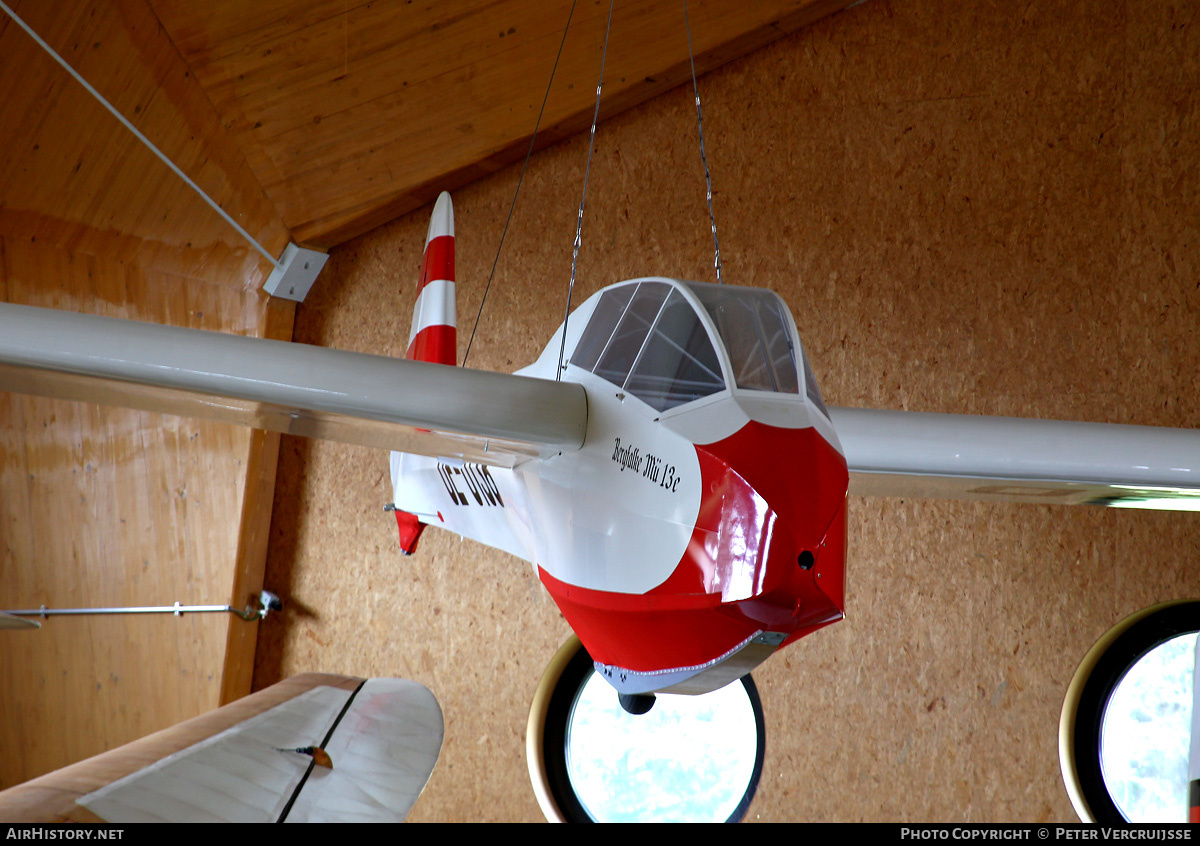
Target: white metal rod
143, 609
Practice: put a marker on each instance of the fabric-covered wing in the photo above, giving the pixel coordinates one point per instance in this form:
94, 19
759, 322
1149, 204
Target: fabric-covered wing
382, 740
900, 453
411, 406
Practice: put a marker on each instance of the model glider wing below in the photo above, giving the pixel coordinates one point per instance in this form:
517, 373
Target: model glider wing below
411, 406
379, 745
311, 748
900, 453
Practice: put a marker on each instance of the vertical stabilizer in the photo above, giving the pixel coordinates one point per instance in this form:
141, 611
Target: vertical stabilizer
434, 335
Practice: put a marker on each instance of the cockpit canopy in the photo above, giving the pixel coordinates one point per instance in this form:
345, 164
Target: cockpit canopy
657, 341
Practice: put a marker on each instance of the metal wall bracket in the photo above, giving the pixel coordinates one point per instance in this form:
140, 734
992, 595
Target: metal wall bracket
295, 274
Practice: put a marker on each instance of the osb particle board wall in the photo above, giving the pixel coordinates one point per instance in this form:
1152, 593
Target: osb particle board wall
970, 208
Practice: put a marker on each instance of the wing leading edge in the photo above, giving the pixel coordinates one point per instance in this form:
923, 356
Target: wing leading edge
411, 406
901, 453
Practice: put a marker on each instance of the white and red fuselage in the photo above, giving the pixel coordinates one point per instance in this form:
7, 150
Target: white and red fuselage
702, 524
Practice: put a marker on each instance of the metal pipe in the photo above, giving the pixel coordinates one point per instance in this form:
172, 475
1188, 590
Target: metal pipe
267, 602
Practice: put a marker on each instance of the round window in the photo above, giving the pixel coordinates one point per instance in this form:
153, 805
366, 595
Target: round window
1126, 724
687, 759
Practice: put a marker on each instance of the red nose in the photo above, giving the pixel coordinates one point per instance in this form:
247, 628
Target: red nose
767, 554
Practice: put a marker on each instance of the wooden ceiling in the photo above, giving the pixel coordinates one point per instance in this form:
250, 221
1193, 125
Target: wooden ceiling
316, 119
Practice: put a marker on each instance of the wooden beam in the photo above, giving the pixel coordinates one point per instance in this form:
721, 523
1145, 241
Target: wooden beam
254, 529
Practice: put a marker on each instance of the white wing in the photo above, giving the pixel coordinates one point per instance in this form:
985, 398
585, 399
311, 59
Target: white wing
500, 419
429, 409
898, 453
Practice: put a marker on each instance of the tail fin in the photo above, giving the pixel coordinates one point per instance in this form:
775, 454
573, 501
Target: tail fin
434, 335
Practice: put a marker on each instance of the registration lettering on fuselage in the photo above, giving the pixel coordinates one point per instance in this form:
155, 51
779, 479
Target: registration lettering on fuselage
476, 479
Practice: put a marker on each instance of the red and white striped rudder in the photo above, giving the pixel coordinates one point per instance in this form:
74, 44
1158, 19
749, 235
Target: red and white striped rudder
434, 334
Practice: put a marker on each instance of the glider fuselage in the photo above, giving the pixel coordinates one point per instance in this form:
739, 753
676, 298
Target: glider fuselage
702, 523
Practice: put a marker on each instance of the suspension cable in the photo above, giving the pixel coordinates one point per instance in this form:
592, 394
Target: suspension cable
703, 158
520, 179
587, 171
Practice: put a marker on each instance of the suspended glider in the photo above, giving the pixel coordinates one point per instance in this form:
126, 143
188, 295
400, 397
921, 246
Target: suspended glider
667, 464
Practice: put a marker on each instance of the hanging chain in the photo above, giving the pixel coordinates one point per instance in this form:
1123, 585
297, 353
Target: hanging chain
703, 158
587, 171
